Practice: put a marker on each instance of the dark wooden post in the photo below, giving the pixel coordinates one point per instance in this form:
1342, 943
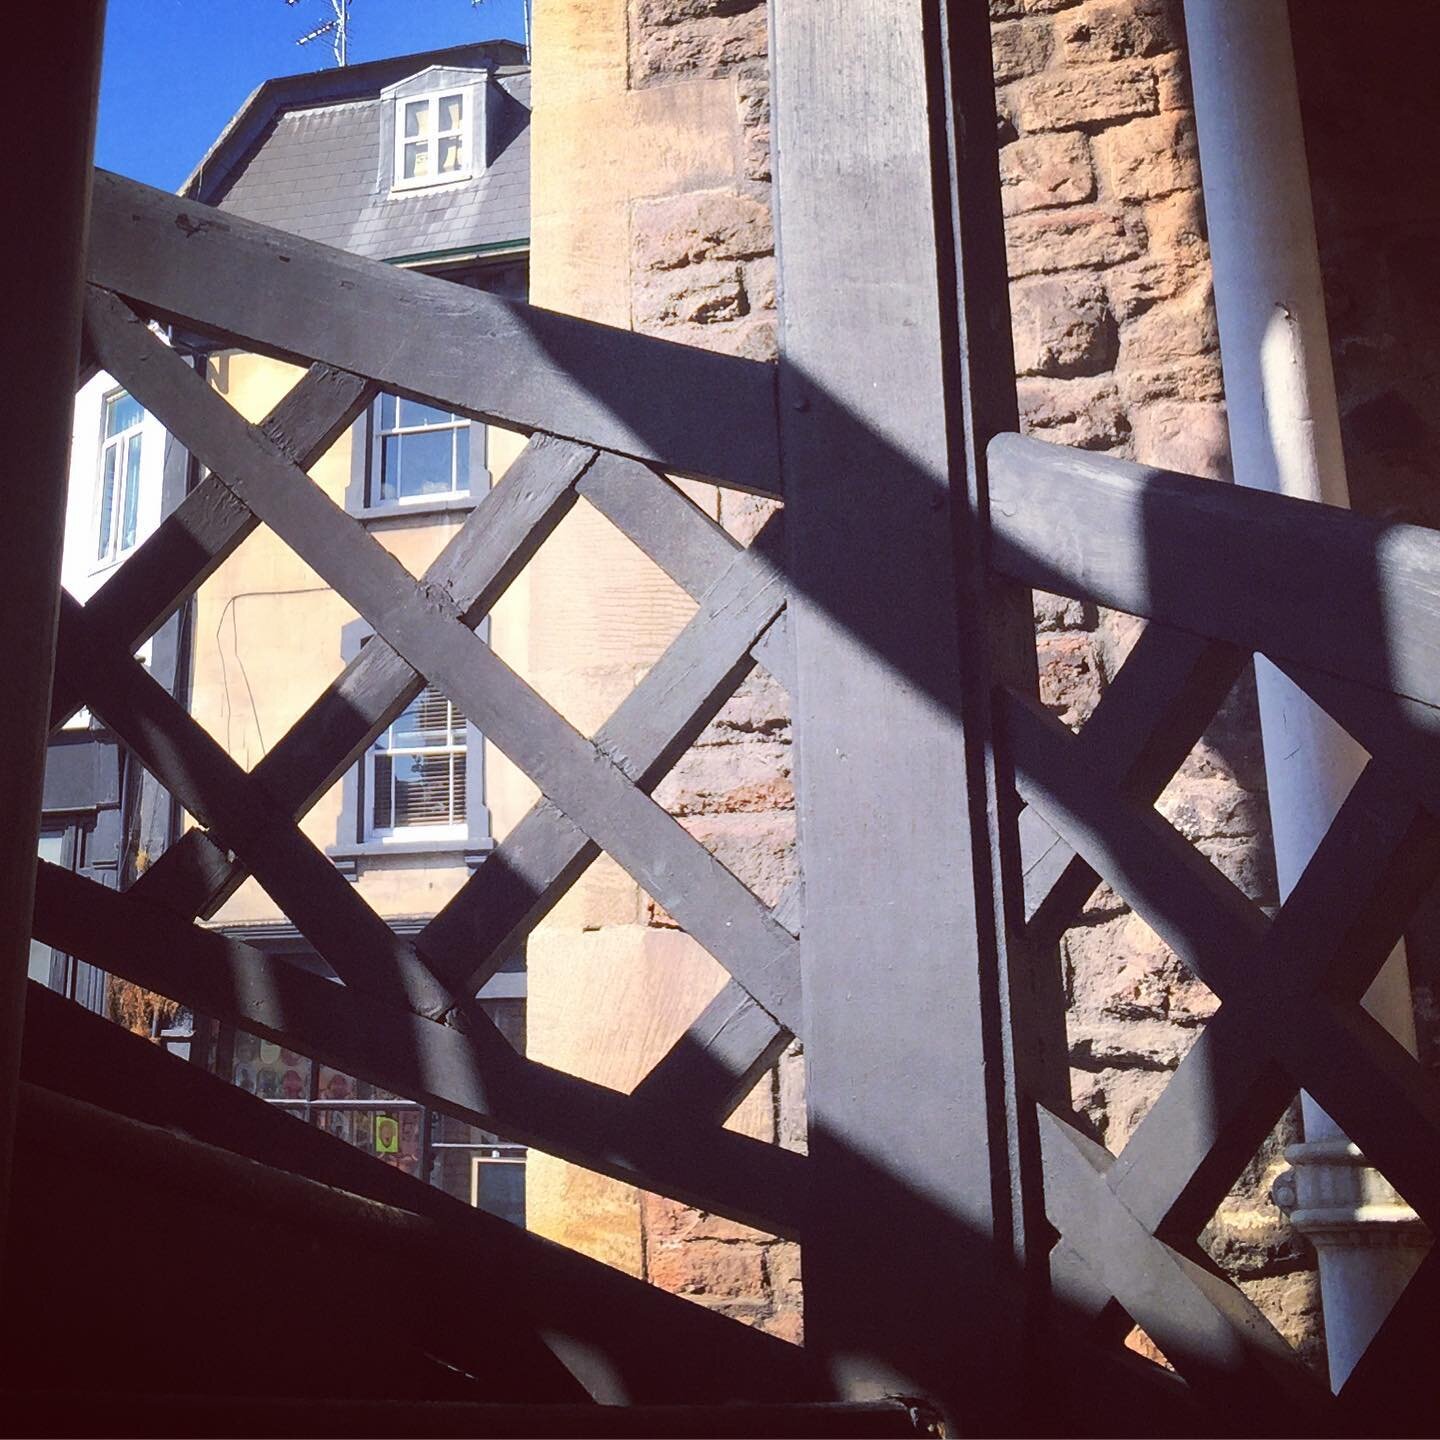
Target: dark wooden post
59, 82
896, 369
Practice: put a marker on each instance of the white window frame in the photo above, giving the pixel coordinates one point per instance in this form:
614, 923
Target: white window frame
400, 834
465, 131
121, 444
460, 432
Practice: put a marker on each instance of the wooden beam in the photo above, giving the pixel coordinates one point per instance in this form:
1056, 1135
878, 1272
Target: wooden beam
1341, 593
427, 630
39, 357
711, 1068
626, 1340
654, 725
483, 1084
1208, 1330
504, 530
358, 945
690, 547
192, 542
516, 365
918, 1043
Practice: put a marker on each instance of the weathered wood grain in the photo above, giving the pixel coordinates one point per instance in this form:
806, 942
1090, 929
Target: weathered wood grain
424, 626
474, 1076
357, 944
517, 365
656, 723
191, 543
1311, 584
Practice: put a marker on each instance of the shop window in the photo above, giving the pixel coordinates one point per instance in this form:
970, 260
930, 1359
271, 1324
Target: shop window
469, 1163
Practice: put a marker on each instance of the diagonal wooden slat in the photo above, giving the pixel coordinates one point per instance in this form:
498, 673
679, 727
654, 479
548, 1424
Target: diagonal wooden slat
476, 1077
1336, 930
192, 541
1297, 581
713, 1066
506, 528
1154, 711
425, 628
1362, 1076
655, 724
357, 944
1207, 1328
699, 412
690, 547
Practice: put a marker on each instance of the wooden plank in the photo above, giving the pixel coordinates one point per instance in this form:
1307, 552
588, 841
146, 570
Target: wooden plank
1209, 924
358, 945
425, 627
711, 1068
657, 722
690, 547
1154, 711
41, 352
191, 543
644, 1344
1335, 930
917, 1028
470, 1076
698, 412
1298, 581
1208, 1330
497, 540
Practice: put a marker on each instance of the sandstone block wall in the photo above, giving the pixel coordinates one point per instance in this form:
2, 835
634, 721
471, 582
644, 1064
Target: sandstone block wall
1116, 351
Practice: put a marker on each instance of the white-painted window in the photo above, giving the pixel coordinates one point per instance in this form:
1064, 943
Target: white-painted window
117, 497
415, 773
422, 453
433, 138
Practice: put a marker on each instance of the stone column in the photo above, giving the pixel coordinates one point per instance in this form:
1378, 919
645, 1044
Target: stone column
1285, 437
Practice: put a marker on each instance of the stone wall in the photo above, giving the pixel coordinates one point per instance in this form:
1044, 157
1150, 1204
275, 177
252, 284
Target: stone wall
1116, 351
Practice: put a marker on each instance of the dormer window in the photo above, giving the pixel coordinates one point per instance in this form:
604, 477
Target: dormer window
432, 138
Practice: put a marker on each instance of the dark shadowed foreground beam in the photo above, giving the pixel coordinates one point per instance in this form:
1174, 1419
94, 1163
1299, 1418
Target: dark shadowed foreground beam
698, 412
1299, 582
41, 350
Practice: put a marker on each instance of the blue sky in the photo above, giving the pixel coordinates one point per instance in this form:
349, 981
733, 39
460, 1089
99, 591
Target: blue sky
176, 70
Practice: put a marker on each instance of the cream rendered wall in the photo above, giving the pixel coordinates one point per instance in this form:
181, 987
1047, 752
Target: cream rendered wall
268, 635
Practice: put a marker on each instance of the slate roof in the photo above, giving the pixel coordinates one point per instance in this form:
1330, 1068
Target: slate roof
312, 165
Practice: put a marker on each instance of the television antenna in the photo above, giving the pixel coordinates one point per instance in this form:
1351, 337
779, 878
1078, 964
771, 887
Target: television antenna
525, 17
338, 28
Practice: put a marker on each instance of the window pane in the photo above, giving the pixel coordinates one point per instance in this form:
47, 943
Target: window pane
451, 157
417, 118
387, 411
107, 502
462, 460
422, 789
121, 412
500, 1188
39, 966
417, 160
452, 112
384, 809
130, 506
412, 412
423, 464
390, 468
457, 786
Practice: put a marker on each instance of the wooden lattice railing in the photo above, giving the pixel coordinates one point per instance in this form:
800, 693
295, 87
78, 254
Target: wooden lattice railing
1220, 573
406, 1016
1346, 607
